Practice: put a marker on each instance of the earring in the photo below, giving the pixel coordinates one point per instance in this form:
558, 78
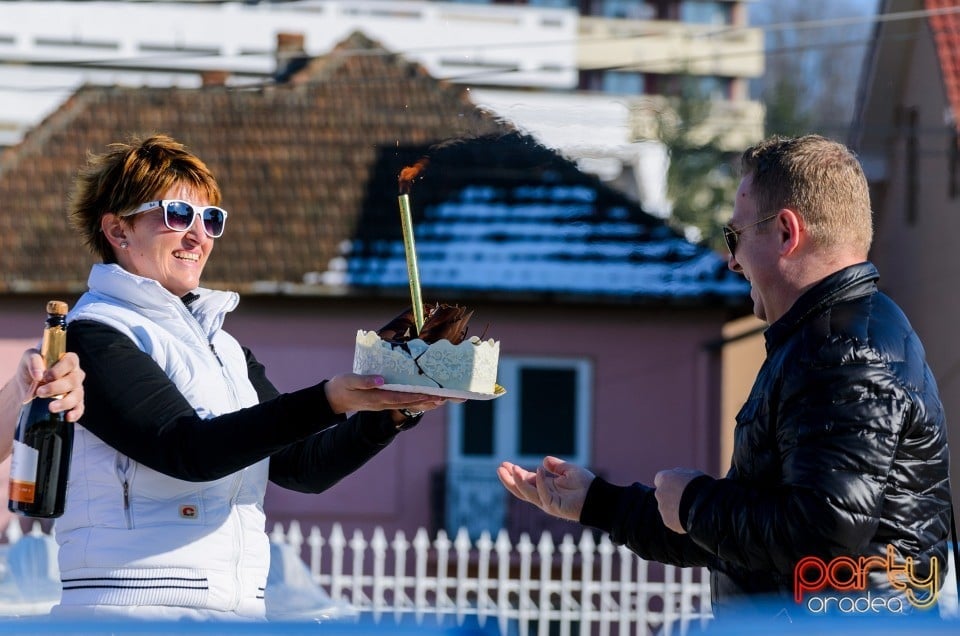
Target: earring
124, 245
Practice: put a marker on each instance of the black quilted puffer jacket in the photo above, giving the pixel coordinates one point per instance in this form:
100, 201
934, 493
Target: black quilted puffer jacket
840, 450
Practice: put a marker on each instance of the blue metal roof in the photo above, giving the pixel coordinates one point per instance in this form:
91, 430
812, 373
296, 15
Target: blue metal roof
511, 216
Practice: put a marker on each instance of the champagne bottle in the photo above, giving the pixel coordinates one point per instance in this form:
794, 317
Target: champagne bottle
43, 442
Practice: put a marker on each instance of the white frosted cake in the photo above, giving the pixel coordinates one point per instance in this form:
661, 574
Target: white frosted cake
439, 356
468, 366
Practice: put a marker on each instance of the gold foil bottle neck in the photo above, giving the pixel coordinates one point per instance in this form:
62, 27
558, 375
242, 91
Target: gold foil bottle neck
54, 343
57, 307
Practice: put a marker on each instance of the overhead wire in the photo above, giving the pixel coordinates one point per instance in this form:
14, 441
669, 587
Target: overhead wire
800, 25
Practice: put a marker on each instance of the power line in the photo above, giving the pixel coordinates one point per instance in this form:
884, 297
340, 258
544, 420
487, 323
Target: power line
843, 21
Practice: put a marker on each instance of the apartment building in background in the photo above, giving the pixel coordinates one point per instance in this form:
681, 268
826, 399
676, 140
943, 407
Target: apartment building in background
594, 79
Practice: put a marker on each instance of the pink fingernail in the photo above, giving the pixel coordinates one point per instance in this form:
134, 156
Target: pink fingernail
378, 381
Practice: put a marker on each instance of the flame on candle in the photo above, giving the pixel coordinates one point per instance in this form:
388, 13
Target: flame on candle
408, 174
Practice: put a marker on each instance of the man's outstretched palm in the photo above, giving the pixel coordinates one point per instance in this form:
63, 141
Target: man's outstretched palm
558, 488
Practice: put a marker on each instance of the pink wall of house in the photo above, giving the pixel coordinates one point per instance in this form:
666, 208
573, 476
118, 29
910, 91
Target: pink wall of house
655, 399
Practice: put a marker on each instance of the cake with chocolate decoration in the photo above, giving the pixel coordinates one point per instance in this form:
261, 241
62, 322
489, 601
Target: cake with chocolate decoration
440, 356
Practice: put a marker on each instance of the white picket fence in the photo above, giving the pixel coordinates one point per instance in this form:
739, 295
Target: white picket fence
517, 589
582, 587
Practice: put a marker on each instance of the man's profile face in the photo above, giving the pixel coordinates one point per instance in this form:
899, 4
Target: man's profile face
755, 253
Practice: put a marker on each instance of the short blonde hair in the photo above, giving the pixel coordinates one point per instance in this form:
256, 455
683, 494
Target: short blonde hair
129, 174
818, 178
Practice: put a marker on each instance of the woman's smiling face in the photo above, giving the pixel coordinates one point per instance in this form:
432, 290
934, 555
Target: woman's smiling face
174, 259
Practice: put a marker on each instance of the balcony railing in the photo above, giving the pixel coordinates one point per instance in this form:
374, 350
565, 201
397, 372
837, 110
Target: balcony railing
660, 46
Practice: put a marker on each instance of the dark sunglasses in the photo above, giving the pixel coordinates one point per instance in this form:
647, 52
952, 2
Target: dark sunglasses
732, 236
179, 215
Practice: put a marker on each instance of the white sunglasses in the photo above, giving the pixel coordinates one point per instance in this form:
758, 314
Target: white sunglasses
179, 215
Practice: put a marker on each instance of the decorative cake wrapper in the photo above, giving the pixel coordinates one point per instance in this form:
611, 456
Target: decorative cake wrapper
440, 358
468, 366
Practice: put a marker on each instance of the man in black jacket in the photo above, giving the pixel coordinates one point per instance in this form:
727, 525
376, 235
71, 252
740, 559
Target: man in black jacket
839, 476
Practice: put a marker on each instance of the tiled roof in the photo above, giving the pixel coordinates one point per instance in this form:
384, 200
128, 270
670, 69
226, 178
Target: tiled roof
946, 35
309, 172
504, 214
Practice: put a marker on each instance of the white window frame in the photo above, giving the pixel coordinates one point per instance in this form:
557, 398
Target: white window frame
505, 416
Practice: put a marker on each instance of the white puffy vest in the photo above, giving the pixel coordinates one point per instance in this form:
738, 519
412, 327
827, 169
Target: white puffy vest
133, 536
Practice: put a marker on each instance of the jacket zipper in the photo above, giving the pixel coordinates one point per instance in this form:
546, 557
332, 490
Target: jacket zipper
226, 378
126, 503
216, 355
234, 513
239, 543
191, 320
125, 483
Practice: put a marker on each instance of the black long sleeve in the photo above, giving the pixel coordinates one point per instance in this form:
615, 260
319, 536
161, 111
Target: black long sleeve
131, 405
631, 515
323, 459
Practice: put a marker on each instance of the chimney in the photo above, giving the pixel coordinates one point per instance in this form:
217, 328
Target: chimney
214, 78
291, 55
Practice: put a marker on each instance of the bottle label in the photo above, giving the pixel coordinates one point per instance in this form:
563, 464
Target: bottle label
23, 473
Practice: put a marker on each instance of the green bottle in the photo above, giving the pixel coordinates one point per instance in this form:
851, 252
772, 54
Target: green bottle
44, 441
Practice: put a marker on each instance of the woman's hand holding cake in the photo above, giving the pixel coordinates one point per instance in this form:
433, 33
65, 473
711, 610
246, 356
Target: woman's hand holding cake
351, 392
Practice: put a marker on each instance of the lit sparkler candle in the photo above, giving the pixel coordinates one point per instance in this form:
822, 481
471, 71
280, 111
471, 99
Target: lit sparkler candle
407, 175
